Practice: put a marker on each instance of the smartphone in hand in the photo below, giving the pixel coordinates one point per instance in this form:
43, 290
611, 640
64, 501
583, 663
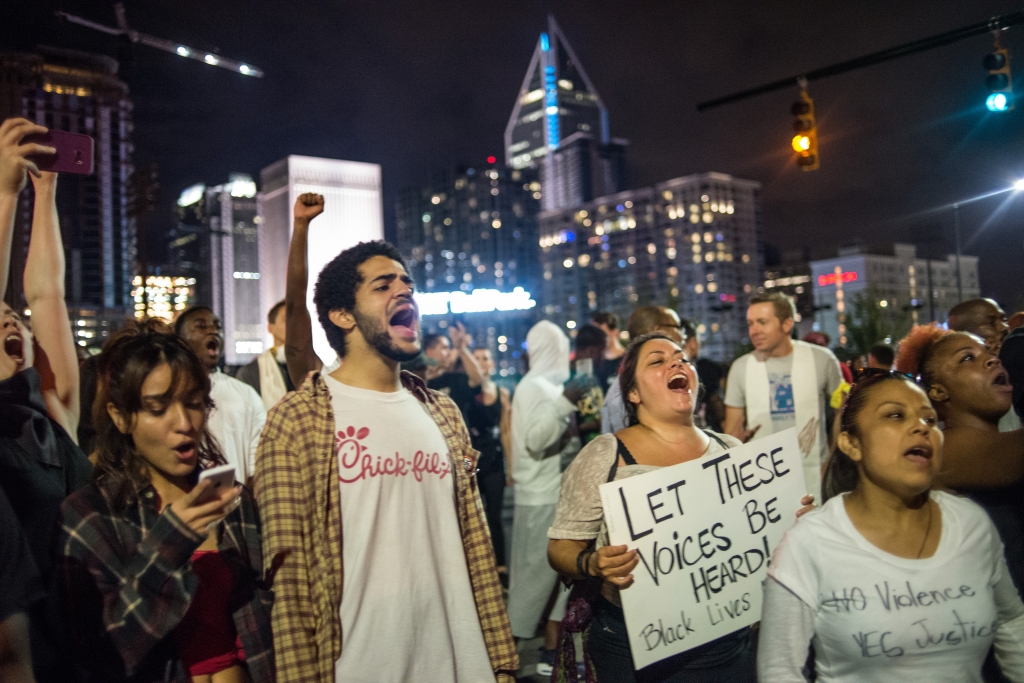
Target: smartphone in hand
74, 152
221, 477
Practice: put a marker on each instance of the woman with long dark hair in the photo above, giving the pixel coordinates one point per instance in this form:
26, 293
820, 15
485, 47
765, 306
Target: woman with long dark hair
890, 580
161, 576
659, 385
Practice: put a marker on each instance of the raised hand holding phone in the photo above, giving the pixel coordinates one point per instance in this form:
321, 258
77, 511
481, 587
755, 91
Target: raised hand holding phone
210, 501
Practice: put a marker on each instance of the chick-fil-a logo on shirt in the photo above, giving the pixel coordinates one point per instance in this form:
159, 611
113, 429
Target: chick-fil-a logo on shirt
355, 463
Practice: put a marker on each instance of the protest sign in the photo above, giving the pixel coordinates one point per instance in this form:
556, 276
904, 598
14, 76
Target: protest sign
704, 530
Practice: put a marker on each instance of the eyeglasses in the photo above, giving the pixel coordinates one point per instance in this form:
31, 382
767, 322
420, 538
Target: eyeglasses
869, 376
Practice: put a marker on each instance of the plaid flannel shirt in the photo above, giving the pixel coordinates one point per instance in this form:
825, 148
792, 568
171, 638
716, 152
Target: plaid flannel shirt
127, 583
297, 471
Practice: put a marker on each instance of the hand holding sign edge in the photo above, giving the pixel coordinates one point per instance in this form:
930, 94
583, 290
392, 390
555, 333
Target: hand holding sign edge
614, 564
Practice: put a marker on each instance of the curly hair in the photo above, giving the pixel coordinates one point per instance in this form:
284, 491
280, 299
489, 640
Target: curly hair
627, 371
119, 464
336, 287
917, 350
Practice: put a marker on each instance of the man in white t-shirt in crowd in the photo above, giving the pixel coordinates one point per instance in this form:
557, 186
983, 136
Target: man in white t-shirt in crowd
542, 410
238, 413
782, 383
370, 455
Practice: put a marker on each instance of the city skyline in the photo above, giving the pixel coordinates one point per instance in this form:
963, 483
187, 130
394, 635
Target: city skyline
897, 142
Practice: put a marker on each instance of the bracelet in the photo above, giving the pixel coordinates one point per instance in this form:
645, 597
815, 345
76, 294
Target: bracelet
582, 559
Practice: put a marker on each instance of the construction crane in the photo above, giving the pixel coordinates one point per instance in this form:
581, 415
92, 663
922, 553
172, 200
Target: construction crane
134, 36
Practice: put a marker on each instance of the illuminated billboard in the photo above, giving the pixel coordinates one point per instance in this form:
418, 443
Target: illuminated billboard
477, 301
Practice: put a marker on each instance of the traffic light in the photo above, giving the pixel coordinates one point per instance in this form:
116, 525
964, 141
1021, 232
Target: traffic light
805, 142
999, 82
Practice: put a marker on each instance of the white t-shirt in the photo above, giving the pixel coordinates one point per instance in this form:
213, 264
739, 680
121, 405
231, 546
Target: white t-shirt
780, 389
407, 606
236, 422
878, 617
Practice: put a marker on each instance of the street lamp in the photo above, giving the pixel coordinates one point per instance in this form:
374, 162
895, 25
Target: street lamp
1018, 186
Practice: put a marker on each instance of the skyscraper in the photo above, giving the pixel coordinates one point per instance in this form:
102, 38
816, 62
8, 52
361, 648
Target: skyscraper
216, 243
691, 243
475, 230
353, 213
80, 92
559, 125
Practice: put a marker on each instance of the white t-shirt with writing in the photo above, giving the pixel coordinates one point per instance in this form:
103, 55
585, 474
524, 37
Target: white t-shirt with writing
878, 617
407, 607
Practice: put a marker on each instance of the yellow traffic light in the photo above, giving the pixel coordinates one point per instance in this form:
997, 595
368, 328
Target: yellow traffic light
805, 143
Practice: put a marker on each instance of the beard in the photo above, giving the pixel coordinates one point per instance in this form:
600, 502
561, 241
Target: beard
378, 337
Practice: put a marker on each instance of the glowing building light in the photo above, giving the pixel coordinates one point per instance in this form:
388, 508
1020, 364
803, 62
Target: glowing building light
836, 278
491, 159
191, 195
545, 44
477, 301
183, 51
241, 185
211, 59
244, 68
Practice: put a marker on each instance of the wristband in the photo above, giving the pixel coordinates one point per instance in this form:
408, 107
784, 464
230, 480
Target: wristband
582, 559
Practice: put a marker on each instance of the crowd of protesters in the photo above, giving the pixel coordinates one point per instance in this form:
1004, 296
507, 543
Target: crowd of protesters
364, 540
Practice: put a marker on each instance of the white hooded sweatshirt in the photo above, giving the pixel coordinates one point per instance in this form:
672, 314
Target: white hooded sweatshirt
540, 415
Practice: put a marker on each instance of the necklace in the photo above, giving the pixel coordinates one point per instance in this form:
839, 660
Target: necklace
927, 530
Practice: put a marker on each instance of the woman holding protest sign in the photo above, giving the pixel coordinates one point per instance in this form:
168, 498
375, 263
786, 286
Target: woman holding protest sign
660, 386
890, 580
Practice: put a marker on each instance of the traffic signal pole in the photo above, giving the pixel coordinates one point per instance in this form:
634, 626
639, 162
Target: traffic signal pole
905, 50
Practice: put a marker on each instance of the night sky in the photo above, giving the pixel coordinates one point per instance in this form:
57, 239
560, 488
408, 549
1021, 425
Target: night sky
419, 86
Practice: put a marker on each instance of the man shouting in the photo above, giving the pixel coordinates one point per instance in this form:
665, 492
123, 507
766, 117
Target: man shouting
368, 454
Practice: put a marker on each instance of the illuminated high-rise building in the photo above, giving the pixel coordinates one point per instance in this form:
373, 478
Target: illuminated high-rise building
81, 93
690, 243
559, 125
353, 213
216, 243
475, 230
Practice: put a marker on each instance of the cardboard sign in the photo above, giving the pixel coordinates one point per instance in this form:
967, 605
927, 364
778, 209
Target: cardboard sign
704, 530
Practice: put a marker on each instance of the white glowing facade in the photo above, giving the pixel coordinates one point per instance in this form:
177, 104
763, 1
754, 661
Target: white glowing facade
353, 213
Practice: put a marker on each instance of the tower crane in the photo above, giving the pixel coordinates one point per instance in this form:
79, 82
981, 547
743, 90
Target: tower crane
122, 29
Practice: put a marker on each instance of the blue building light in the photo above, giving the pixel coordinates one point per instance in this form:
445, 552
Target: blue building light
544, 44
551, 106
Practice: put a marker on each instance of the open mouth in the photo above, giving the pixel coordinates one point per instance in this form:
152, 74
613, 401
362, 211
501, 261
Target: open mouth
213, 346
1002, 379
679, 382
14, 347
919, 454
185, 450
404, 322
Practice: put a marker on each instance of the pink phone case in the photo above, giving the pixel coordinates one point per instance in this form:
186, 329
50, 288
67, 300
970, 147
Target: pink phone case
74, 152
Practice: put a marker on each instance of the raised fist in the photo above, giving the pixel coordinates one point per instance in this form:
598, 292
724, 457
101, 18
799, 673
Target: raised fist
308, 206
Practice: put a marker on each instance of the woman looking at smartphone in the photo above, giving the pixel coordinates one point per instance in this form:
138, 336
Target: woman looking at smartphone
890, 580
161, 574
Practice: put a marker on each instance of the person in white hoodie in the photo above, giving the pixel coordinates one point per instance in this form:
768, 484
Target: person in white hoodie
542, 410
